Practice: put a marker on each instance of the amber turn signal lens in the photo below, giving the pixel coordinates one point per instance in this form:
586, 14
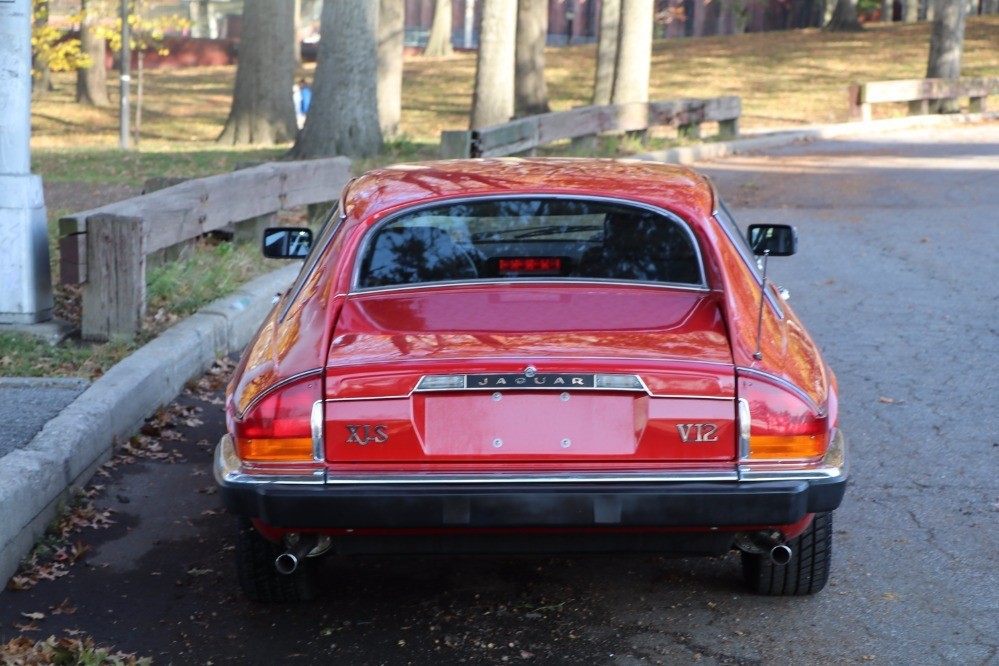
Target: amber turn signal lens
287, 449
783, 447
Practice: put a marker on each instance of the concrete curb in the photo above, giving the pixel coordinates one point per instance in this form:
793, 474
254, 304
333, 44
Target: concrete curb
708, 151
36, 479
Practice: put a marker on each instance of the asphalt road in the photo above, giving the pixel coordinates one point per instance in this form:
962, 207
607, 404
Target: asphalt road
896, 279
28, 403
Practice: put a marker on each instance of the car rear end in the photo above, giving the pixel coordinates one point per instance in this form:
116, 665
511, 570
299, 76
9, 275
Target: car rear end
500, 379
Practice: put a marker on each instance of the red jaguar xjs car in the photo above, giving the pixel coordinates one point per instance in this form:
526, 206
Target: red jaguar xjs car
540, 355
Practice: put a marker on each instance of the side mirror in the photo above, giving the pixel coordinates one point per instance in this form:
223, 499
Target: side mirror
287, 242
777, 240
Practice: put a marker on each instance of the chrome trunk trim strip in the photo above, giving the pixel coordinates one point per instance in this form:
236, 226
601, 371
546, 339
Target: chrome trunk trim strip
797, 390
316, 422
432, 478
745, 427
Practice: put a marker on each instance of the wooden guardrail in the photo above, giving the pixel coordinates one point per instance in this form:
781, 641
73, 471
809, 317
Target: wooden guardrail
586, 122
919, 92
105, 249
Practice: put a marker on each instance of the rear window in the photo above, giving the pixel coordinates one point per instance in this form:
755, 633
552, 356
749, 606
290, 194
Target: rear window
529, 239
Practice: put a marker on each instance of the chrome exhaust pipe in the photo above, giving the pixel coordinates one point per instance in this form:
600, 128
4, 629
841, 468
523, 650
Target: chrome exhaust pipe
287, 562
780, 555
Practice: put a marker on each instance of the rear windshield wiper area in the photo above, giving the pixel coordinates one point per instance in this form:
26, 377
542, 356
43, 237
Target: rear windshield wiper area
537, 232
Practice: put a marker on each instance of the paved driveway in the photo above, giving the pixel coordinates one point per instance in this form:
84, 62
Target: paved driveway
897, 279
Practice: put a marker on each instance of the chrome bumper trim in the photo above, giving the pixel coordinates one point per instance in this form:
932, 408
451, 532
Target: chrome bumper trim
228, 469
834, 466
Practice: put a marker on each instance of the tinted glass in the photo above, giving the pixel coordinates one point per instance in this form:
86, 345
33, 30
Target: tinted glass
530, 239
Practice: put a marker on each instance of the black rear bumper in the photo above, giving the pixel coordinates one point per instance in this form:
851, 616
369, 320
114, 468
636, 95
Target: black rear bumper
529, 505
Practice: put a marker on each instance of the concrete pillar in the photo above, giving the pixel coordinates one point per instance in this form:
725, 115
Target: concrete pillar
25, 273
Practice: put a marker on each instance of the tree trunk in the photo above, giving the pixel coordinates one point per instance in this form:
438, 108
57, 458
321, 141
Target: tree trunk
946, 47
910, 11
92, 82
140, 58
676, 19
844, 17
492, 100
603, 85
700, 10
530, 92
726, 18
439, 41
343, 118
391, 35
296, 48
634, 52
262, 108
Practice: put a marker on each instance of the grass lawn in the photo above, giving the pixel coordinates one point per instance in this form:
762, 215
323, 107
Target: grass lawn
785, 79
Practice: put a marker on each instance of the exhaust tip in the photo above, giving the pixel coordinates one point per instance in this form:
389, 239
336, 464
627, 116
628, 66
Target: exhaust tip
286, 563
780, 555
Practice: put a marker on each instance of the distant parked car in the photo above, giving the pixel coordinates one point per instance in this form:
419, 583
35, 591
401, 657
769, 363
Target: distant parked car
544, 355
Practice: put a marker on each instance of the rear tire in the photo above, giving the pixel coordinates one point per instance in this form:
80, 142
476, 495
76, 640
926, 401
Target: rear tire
258, 577
806, 573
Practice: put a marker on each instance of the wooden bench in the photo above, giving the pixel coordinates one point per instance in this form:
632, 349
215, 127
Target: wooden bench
919, 93
583, 124
105, 249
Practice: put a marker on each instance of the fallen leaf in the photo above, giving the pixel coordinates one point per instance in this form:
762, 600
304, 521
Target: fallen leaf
63, 609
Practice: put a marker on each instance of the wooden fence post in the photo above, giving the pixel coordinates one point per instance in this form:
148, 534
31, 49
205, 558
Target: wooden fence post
728, 129
690, 130
456, 144
859, 108
114, 295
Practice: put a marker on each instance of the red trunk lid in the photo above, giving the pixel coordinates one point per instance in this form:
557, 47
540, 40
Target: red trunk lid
531, 374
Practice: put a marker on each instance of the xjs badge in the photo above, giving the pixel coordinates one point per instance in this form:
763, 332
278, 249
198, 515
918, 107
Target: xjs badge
697, 432
366, 434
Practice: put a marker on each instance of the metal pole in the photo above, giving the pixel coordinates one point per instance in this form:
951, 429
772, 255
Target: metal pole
25, 274
126, 67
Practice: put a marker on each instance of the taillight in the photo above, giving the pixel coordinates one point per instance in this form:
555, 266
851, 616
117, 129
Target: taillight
783, 424
279, 427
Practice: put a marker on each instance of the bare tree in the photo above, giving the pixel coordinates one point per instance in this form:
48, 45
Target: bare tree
492, 100
439, 41
700, 12
844, 17
603, 85
726, 18
391, 34
262, 108
530, 91
92, 82
910, 11
634, 52
296, 48
946, 48
343, 118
